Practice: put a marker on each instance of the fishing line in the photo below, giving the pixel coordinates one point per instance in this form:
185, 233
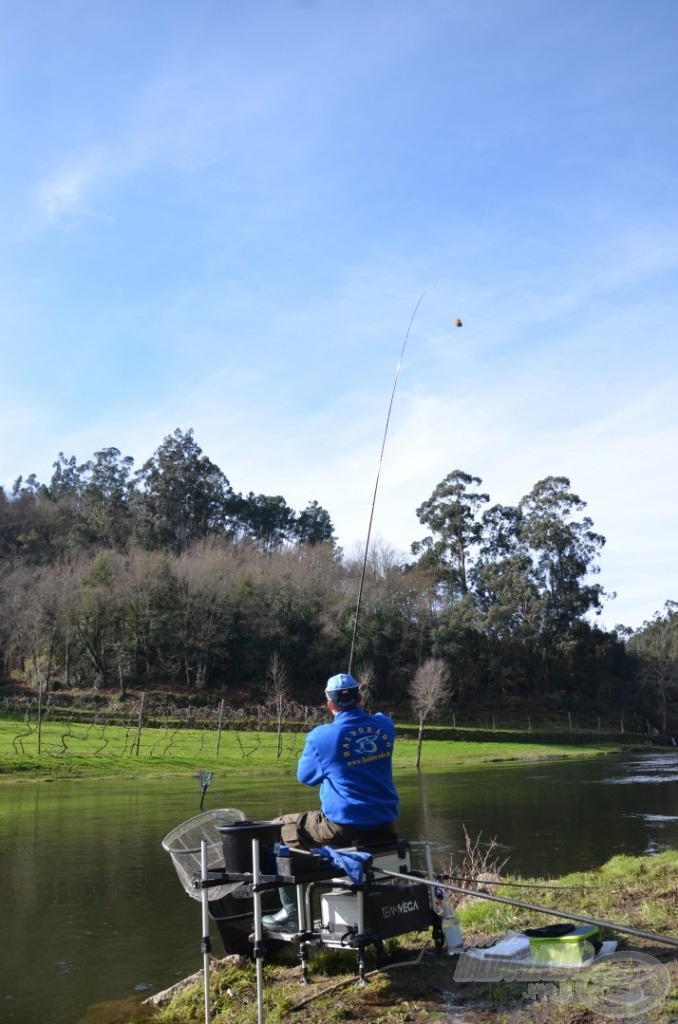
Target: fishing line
526, 885
376, 483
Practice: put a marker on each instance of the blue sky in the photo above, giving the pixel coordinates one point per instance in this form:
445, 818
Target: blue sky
221, 215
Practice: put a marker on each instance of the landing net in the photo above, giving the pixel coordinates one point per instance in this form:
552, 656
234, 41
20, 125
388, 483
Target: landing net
183, 846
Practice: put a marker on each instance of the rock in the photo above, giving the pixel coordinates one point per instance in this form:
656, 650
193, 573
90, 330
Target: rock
164, 997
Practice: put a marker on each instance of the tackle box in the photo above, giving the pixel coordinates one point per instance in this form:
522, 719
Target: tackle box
292, 863
563, 945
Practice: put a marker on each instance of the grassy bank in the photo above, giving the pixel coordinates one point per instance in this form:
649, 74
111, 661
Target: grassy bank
638, 891
79, 750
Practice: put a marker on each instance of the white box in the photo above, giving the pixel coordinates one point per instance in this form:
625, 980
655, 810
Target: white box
338, 910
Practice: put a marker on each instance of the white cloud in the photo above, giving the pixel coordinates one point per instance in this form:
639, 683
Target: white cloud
67, 191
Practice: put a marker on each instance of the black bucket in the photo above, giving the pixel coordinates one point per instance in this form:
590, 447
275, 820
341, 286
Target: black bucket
236, 842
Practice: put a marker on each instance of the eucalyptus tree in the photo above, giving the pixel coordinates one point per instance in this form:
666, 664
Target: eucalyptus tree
451, 514
313, 525
505, 590
268, 519
563, 548
183, 495
105, 496
66, 481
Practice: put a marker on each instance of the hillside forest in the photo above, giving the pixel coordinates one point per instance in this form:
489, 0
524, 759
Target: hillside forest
165, 578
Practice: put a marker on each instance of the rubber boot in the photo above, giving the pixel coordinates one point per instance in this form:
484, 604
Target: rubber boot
286, 919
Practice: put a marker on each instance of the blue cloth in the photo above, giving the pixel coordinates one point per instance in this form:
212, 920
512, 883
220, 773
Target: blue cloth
350, 759
352, 862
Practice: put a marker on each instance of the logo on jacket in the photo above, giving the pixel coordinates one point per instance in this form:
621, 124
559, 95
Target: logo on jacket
365, 744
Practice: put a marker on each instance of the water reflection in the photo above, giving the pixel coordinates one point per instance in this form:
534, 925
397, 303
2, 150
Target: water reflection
93, 911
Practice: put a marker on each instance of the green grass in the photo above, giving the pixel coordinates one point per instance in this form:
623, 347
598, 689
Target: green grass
638, 891
77, 750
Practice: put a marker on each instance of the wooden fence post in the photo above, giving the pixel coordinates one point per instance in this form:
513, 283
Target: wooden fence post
140, 723
221, 718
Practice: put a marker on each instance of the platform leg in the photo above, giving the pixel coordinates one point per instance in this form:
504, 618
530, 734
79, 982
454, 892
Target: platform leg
304, 927
361, 938
258, 931
206, 946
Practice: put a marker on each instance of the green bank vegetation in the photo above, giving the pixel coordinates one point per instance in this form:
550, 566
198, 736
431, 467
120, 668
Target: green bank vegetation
641, 892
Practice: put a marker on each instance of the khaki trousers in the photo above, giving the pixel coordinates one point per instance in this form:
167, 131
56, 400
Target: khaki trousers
308, 829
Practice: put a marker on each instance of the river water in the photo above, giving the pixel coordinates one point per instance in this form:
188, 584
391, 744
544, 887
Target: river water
93, 912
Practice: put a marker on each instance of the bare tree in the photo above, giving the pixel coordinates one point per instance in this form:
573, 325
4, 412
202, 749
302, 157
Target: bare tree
429, 691
366, 681
278, 694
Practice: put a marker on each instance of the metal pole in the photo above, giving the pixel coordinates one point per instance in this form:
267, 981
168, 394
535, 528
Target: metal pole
205, 947
429, 863
361, 937
438, 937
258, 931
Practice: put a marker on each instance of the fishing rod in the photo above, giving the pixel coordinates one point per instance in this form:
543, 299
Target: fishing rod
529, 885
376, 483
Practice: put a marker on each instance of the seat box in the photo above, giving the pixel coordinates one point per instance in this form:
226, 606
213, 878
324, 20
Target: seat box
393, 910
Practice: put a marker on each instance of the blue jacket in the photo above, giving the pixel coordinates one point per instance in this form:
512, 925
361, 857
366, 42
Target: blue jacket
350, 758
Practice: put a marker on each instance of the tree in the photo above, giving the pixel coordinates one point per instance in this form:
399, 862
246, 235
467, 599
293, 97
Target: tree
66, 481
204, 611
313, 525
366, 680
393, 617
562, 549
451, 516
656, 645
269, 520
105, 497
429, 691
278, 689
505, 590
95, 620
184, 496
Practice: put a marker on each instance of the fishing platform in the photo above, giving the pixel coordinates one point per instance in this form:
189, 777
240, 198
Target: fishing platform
348, 899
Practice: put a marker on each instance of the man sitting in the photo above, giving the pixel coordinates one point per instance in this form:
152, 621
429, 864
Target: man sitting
350, 758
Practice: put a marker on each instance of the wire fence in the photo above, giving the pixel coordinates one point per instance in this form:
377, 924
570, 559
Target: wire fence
97, 724
100, 726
